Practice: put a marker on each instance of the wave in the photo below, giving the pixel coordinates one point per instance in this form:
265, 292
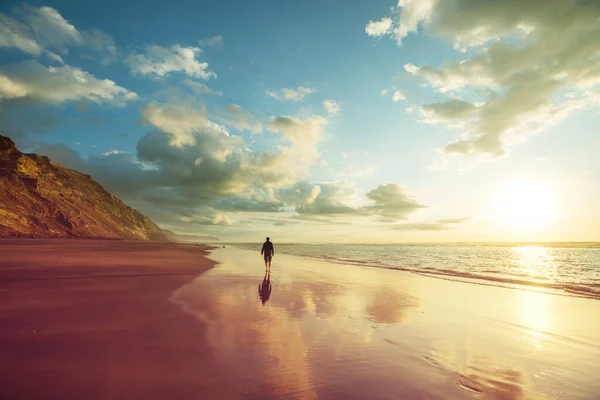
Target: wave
587, 290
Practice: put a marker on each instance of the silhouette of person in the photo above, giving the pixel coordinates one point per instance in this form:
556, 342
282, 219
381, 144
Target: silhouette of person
264, 289
268, 252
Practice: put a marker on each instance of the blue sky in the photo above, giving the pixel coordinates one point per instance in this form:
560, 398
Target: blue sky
364, 121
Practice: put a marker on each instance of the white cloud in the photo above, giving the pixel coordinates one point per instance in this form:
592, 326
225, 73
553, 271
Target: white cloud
392, 201
242, 120
180, 121
54, 57
524, 57
45, 28
286, 94
398, 96
332, 107
385, 92
213, 41
55, 85
379, 28
16, 34
160, 61
200, 88
413, 12
51, 27
448, 110
305, 133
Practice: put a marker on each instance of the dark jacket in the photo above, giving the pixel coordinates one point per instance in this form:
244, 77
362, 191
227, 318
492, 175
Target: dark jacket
267, 248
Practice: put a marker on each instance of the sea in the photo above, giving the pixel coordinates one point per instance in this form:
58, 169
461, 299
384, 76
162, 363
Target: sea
562, 268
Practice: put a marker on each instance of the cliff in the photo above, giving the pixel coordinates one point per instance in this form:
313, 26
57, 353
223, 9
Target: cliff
39, 198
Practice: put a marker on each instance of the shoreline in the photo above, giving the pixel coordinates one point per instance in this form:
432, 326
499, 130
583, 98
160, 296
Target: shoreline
589, 290
130, 319
333, 331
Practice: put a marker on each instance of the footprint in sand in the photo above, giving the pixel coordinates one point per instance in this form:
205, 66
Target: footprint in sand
432, 360
465, 383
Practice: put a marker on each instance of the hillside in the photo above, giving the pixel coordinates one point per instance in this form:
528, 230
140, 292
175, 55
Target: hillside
39, 198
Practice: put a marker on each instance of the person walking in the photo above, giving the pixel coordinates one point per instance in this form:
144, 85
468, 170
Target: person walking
267, 251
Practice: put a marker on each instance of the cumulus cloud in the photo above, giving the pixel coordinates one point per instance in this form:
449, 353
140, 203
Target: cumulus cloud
158, 62
44, 28
242, 120
398, 96
286, 94
389, 201
392, 201
304, 133
213, 41
332, 107
524, 57
379, 28
29, 80
180, 120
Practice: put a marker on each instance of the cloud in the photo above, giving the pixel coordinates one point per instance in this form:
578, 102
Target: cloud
379, 28
15, 34
200, 88
439, 225
247, 204
242, 120
413, 12
398, 96
325, 199
180, 121
29, 80
332, 107
329, 201
285, 94
334, 199
448, 110
50, 26
44, 28
305, 133
391, 201
523, 59
159, 62
213, 41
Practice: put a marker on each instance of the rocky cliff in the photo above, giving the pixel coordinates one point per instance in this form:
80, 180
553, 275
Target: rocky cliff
39, 198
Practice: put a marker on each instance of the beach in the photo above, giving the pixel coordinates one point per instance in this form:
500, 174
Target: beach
103, 319
92, 320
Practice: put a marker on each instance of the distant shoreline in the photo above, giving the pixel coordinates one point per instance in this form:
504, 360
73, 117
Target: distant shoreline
592, 244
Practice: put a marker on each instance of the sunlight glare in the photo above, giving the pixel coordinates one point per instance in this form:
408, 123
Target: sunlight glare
525, 204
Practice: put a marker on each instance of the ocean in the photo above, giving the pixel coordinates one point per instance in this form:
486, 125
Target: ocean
572, 269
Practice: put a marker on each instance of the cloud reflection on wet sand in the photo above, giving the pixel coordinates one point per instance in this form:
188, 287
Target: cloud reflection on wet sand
332, 332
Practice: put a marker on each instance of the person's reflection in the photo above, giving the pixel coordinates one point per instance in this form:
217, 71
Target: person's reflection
264, 289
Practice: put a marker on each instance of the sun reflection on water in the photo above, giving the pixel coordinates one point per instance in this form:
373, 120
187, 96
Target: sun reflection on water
536, 262
534, 313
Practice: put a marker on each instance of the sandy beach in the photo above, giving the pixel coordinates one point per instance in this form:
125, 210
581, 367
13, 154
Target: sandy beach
92, 320
103, 319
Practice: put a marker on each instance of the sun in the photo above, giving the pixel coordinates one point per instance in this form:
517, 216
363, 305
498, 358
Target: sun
525, 205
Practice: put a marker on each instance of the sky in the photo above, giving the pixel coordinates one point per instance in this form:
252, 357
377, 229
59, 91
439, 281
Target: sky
338, 121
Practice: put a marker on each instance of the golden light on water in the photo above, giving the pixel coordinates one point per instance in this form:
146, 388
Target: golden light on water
535, 307
534, 313
525, 205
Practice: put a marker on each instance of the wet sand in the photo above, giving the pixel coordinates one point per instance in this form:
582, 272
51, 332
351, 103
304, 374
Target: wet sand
92, 320
103, 320
332, 331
